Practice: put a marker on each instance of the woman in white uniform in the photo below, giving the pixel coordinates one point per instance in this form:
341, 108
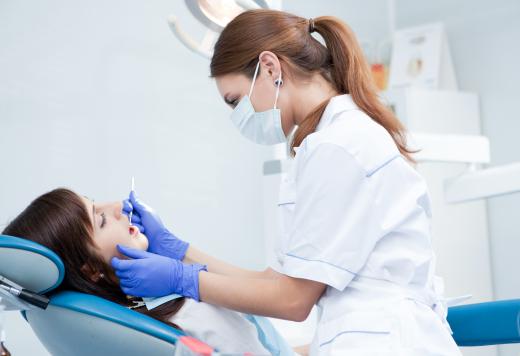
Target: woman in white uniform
355, 235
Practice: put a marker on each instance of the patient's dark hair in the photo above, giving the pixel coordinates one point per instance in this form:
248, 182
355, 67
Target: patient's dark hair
59, 220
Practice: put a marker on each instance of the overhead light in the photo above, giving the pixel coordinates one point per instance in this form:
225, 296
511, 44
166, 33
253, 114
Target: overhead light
215, 15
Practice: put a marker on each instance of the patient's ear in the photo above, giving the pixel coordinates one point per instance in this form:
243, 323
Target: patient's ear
93, 274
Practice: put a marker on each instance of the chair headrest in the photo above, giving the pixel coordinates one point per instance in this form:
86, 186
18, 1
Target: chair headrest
30, 265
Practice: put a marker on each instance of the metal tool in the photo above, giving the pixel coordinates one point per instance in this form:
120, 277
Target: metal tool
132, 186
32, 298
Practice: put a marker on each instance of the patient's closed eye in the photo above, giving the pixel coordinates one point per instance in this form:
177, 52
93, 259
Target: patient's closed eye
103, 219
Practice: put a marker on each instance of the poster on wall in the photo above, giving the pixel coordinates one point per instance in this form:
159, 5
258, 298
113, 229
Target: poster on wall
421, 58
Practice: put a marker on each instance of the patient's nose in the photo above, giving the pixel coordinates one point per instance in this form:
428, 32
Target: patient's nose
118, 207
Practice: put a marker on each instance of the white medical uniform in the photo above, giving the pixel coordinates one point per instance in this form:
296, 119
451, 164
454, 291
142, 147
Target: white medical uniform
356, 217
226, 330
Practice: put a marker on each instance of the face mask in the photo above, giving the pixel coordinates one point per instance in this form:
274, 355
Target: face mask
263, 127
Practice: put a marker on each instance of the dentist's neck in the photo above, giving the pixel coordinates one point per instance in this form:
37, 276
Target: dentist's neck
309, 94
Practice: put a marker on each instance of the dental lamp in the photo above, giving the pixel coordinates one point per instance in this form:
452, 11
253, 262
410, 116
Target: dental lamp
215, 15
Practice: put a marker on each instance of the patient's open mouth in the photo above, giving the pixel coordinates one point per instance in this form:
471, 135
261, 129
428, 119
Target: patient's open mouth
134, 231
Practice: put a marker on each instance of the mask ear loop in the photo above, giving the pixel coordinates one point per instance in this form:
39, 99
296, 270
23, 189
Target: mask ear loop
278, 83
254, 79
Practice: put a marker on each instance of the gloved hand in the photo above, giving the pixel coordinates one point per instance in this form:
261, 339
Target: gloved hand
151, 275
136, 219
160, 240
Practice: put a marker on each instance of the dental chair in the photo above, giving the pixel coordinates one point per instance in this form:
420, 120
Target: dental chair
76, 323
80, 324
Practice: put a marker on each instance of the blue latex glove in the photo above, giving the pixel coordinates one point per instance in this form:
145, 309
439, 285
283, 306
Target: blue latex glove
160, 240
151, 275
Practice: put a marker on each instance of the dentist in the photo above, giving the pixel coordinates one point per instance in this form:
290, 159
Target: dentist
355, 234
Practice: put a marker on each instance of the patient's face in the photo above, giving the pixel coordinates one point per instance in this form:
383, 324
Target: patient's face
112, 227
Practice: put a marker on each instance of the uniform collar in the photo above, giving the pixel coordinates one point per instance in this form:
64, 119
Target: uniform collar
336, 105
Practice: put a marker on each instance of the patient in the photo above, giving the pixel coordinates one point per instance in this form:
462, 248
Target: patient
84, 234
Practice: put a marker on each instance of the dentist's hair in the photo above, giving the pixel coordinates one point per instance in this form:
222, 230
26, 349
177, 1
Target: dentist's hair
59, 220
340, 61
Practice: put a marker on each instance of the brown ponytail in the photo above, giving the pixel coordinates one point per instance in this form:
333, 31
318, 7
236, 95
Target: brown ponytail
340, 61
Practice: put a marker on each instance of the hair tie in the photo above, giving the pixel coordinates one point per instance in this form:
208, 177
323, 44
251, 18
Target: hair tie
311, 25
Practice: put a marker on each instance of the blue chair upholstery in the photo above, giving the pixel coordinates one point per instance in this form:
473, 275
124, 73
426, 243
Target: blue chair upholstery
489, 323
81, 324
102, 308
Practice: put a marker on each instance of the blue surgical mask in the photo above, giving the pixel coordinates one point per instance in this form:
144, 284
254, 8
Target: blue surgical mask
263, 127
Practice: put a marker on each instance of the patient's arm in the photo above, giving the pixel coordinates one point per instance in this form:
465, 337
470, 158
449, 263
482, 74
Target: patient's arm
194, 255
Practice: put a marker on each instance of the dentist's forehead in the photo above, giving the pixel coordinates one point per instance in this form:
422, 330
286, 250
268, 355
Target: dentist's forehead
232, 82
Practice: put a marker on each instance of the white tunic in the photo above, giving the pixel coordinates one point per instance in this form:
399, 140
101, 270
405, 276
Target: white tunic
223, 329
356, 217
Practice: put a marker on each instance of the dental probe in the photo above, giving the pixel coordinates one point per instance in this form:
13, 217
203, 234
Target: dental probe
131, 189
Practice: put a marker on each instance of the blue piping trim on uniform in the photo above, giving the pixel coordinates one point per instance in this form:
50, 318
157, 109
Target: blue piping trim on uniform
382, 165
354, 331
328, 263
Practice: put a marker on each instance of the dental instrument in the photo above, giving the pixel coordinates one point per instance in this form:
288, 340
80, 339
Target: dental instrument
30, 297
132, 186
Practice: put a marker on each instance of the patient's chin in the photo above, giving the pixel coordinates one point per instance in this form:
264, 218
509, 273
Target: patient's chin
141, 241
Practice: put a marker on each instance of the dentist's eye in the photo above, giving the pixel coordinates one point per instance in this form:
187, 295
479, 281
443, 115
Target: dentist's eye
103, 219
231, 102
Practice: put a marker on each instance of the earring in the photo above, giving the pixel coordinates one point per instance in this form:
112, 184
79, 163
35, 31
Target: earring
278, 82
101, 275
